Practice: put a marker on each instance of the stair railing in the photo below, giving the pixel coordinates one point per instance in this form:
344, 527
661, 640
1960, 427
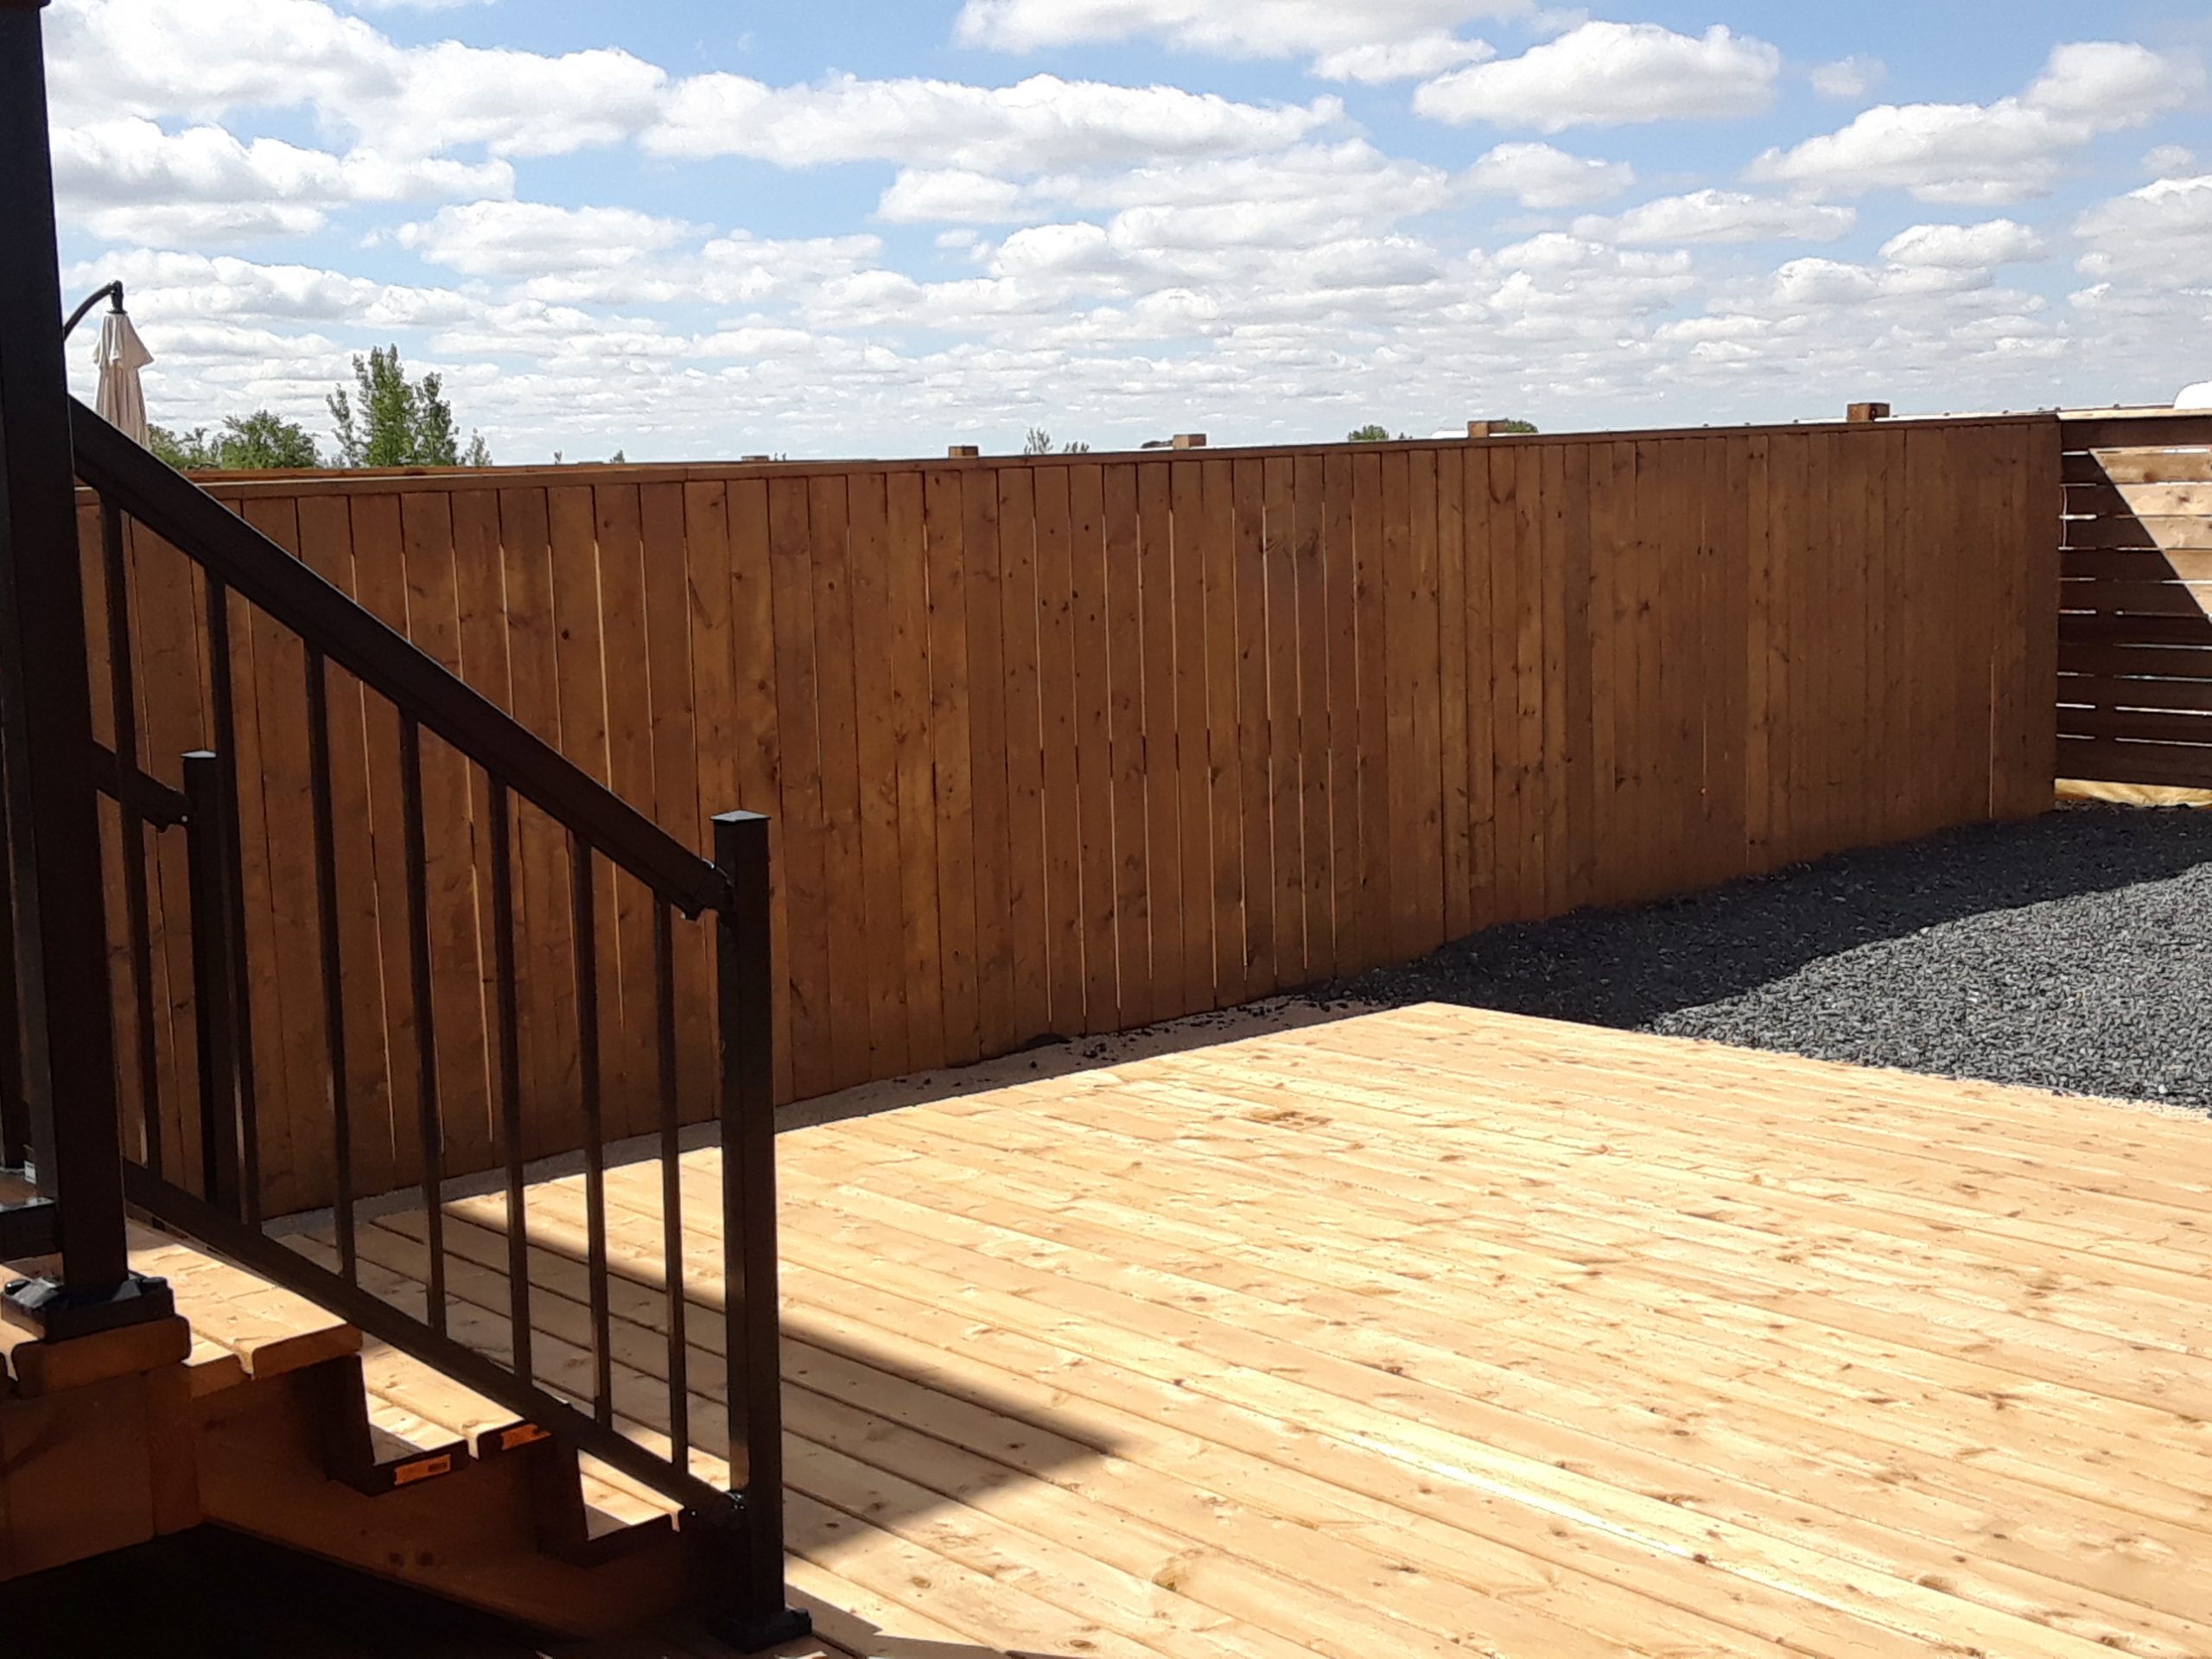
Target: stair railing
218, 1198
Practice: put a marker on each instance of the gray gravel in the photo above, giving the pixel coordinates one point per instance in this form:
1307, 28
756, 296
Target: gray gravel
2072, 953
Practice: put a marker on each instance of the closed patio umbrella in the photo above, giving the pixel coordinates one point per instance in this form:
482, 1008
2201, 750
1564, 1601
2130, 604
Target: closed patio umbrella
121, 399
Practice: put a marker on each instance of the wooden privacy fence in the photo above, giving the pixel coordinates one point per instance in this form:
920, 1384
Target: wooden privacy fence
2135, 640
1070, 746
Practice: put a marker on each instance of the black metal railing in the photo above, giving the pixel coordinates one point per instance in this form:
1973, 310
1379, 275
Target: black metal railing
214, 1191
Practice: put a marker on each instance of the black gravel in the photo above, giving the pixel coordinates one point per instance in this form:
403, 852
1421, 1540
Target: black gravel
2072, 953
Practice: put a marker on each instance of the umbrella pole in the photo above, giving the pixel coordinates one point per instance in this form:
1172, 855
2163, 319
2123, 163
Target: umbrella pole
54, 840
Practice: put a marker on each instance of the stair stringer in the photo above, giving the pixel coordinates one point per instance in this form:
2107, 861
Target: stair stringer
497, 1533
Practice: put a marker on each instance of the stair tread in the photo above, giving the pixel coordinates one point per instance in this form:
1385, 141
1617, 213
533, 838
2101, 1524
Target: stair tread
267, 1327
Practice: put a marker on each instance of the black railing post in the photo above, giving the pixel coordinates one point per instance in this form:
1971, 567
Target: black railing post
77, 1144
214, 979
760, 1614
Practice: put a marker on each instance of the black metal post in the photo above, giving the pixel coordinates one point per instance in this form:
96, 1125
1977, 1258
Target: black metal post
214, 978
760, 1614
76, 1138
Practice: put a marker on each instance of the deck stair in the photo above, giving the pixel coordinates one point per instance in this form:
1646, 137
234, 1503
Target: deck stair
259, 1411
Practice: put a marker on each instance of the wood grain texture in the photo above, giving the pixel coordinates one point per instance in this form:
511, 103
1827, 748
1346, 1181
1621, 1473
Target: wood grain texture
1595, 1343
1067, 747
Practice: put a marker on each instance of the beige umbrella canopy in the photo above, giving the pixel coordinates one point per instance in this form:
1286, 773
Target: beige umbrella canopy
121, 400
120, 355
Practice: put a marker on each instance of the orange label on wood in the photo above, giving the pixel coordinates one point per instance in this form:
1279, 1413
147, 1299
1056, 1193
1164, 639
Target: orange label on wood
429, 1468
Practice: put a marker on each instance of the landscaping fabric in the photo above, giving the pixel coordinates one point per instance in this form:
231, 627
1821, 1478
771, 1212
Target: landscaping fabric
2072, 953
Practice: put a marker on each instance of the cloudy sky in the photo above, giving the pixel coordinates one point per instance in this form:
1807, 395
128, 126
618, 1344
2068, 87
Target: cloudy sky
695, 228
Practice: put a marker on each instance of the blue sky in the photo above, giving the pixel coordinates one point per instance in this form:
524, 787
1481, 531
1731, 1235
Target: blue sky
692, 230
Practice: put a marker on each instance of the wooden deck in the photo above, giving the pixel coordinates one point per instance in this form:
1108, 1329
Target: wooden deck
1438, 1332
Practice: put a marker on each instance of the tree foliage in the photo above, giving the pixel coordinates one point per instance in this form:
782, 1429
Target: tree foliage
1039, 442
1370, 433
261, 442
388, 420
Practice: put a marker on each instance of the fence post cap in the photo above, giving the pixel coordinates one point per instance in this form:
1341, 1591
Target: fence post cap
963, 451
1483, 428
1867, 412
1188, 441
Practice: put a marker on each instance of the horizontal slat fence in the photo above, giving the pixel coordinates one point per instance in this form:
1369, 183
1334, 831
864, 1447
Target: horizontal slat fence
1066, 746
2135, 651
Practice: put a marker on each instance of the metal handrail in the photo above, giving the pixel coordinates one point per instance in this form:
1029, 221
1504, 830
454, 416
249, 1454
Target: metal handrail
732, 888
248, 562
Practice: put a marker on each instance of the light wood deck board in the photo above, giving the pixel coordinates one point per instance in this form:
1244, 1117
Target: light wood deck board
1446, 1333
1434, 1332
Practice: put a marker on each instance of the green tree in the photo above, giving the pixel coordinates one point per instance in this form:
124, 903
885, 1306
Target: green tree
261, 442
1039, 442
1371, 434
390, 421
188, 452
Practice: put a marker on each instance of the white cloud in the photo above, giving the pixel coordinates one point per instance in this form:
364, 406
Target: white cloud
1852, 77
526, 238
151, 58
2170, 162
2111, 86
1372, 40
1540, 176
127, 179
944, 195
1413, 59
1605, 74
2161, 233
1041, 124
1720, 216
165, 287
1964, 247
1989, 154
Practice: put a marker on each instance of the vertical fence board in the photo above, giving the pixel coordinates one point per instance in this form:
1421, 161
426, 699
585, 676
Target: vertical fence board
1061, 964
1256, 861
988, 776
380, 585
1028, 944
1092, 730
1182, 502
803, 841
1340, 584
554, 1113
910, 732
1218, 539
1130, 913
1310, 661
626, 988
1168, 920
1369, 933
876, 877
1286, 807
327, 546
837, 671
1480, 679
944, 530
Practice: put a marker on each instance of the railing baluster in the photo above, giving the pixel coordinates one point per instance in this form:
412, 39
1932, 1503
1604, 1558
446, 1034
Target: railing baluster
671, 1187
218, 677
137, 910
586, 934
334, 995
752, 1331
207, 844
429, 1117
511, 1124
14, 1103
